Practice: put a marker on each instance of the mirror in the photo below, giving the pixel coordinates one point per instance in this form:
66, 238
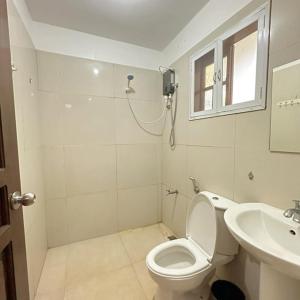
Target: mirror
285, 120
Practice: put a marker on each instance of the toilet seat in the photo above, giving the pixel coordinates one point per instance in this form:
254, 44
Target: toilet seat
183, 268
177, 259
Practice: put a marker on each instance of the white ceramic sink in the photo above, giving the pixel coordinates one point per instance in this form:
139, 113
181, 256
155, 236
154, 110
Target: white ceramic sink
269, 236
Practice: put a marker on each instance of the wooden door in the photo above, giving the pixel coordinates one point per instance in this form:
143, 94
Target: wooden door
13, 268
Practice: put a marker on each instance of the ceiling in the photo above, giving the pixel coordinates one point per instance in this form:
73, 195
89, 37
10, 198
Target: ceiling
147, 23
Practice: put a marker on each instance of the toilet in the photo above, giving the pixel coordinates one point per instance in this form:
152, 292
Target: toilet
182, 268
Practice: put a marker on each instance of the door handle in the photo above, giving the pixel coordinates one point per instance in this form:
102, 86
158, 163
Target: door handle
17, 199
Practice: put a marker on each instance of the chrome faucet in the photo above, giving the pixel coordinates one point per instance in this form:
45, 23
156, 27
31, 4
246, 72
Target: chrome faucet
293, 212
195, 185
172, 192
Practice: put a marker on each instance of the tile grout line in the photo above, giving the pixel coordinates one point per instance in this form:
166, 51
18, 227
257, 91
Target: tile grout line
66, 271
131, 264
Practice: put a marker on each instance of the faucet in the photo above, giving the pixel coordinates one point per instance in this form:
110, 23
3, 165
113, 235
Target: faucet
170, 192
293, 212
195, 185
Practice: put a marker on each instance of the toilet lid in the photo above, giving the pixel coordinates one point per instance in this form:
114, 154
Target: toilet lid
201, 224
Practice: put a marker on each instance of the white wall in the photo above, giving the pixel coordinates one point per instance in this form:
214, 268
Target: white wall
29, 144
102, 172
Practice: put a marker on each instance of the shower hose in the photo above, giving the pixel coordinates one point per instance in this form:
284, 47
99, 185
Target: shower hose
173, 114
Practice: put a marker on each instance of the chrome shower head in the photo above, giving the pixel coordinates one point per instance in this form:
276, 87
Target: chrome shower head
129, 89
130, 77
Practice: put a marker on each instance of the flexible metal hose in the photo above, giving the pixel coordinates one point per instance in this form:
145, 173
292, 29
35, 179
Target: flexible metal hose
172, 138
139, 122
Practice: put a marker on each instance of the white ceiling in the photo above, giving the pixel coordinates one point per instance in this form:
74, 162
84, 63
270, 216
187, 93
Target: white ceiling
147, 23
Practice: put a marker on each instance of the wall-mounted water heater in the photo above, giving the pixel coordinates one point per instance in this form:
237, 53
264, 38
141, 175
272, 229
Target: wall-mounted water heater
169, 82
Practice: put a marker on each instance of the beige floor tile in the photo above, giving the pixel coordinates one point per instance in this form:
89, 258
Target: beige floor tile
166, 231
110, 267
121, 284
139, 242
57, 256
56, 295
96, 256
144, 278
52, 279
54, 272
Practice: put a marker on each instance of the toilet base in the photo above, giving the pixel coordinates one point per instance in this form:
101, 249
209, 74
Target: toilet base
200, 293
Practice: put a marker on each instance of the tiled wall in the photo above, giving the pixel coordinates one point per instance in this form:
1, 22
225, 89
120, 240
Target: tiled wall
221, 151
29, 143
102, 172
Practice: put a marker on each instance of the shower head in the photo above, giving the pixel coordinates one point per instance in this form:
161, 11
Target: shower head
130, 77
129, 89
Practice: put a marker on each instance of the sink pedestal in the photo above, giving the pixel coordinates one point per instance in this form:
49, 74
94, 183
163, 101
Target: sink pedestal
276, 285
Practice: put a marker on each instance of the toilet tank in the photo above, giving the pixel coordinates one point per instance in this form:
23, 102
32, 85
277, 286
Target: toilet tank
225, 243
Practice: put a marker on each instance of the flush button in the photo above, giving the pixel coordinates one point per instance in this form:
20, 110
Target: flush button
215, 198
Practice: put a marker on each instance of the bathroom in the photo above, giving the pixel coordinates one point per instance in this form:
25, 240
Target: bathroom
115, 154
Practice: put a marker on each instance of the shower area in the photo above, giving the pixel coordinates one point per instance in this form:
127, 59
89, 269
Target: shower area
91, 138
102, 132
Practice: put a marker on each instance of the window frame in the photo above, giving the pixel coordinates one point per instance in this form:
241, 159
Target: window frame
261, 15
195, 57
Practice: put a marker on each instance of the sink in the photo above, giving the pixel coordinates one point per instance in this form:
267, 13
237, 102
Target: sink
269, 236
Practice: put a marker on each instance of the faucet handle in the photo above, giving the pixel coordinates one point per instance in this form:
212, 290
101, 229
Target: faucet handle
297, 204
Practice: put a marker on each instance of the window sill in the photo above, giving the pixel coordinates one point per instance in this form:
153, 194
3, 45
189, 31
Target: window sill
229, 111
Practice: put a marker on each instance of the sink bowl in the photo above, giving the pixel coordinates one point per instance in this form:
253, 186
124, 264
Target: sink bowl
269, 236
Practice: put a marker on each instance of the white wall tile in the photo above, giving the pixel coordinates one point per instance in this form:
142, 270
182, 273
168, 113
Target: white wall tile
54, 172
138, 165
146, 83
86, 77
51, 119
91, 216
90, 169
31, 118
217, 132
49, 71
57, 222
175, 168
275, 177
88, 120
214, 169
174, 213
93, 145
127, 129
137, 207
253, 130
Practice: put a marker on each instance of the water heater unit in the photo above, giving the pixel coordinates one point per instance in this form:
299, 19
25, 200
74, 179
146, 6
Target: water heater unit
169, 82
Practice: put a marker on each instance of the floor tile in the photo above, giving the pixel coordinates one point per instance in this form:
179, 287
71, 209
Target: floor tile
148, 285
110, 267
54, 271
96, 256
121, 284
56, 295
138, 242
57, 256
166, 231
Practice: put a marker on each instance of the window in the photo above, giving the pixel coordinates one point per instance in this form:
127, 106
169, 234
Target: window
229, 76
204, 82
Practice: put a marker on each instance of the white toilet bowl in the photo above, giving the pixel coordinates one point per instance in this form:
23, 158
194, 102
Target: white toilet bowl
182, 268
